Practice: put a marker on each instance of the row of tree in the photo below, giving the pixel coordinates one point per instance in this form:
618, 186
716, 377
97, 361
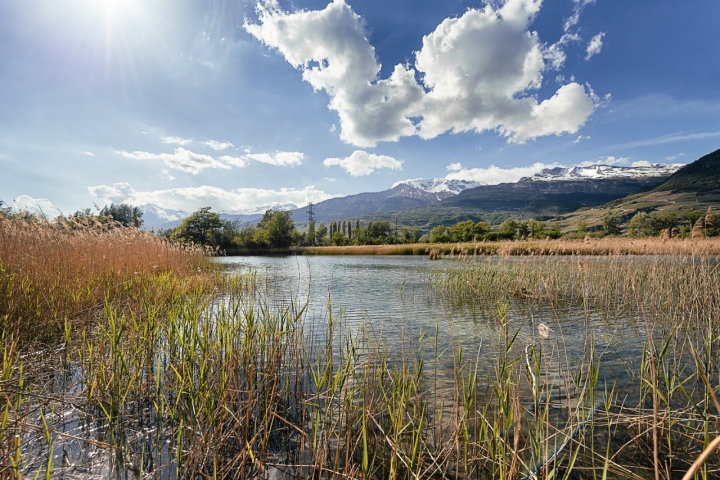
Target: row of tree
277, 230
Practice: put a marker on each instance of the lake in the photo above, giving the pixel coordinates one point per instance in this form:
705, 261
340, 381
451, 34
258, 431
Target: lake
392, 300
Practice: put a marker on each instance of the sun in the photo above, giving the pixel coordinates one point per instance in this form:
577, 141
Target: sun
119, 10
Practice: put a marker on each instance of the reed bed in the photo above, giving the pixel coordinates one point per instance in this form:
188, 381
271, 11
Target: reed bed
668, 411
180, 373
561, 247
57, 273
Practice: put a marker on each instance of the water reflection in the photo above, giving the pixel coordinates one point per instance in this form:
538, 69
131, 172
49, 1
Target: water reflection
390, 298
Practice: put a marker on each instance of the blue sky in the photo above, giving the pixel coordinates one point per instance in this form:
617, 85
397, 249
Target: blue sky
243, 104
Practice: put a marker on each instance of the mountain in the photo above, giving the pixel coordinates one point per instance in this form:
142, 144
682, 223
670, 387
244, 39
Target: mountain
563, 189
601, 171
547, 194
428, 202
441, 186
542, 197
156, 218
402, 196
694, 187
703, 175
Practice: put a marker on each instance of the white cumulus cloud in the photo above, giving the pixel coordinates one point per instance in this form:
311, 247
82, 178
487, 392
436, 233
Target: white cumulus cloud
454, 167
239, 162
478, 72
595, 46
38, 206
278, 158
331, 49
193, 198
493, 175
641, 163
215, 145
361, 163
611, 160
182, 159
176, 140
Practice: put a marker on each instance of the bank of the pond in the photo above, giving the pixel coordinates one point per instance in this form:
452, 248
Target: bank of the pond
595, 246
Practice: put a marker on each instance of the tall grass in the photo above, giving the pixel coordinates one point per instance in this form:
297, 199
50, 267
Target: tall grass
55, 273
172, 373
562, 247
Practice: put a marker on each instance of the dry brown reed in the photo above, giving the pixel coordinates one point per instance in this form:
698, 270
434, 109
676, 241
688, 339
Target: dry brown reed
53, 273
588, 246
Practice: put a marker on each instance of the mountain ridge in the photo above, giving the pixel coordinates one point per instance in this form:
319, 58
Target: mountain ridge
560, 189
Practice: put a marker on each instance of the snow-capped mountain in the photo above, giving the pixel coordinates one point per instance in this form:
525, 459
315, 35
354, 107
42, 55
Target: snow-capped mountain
155, 218
439, 185
262, 209
601, 171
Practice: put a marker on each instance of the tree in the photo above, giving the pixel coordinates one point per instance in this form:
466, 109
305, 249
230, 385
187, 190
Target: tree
204, 228
338, 239
507, 229
480, 230
662, 221
379, 232
537, 229
277, 228
439, 234
461, 231
639, 226
611, 223
523, 230
321, 234
123, 213
581, 228
555, 230
310, 236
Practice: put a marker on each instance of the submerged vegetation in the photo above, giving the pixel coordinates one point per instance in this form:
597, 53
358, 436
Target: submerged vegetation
126, 356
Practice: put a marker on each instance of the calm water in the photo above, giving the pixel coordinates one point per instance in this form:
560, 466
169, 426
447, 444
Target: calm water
391, 298
386, 300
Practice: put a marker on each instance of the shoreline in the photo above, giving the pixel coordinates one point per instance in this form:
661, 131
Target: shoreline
592, 247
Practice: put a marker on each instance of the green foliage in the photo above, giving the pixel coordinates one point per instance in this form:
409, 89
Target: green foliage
611, 223
639, 226
555, 230
123, 213
310, 235
204, 228
439, 234
321, 234
537, 229
338, 239
581, 227
508, 229
275, 230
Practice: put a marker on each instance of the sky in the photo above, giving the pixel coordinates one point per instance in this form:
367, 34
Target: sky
240, 105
